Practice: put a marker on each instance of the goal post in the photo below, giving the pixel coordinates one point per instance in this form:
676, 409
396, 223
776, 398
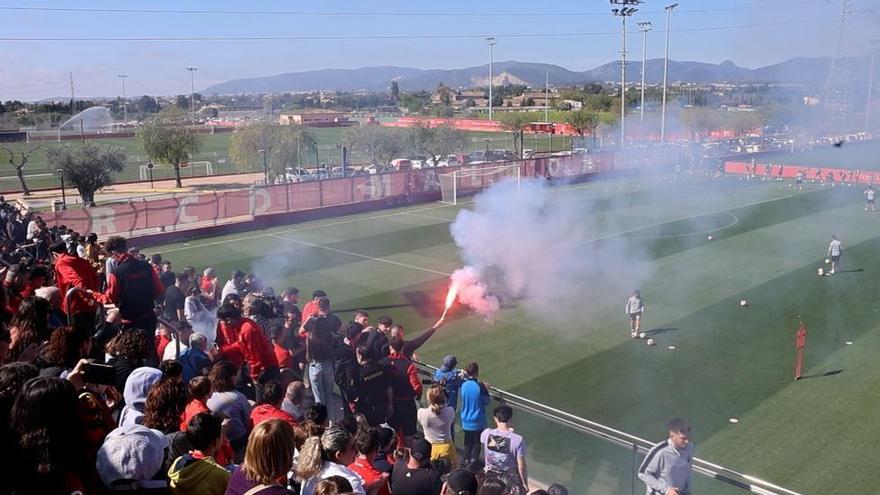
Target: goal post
468, 181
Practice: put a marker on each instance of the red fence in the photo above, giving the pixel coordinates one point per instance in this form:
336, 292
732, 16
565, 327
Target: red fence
821, 174
200, 210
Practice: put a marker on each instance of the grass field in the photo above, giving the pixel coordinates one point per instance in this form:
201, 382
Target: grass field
215, 148
815, 436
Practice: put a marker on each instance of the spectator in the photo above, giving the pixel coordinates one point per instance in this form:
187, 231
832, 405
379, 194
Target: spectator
255, 348
384, 460
65, 348
291, 339
49, 452
198, 315
35, 281
74, 272
29, 329
366, 441
175, 298
210, 288
450, 378
131, 458
409, 347
93, 252
57, 318
345, 366
505, 453
172, 350
165, 405
195, 358
166, 274
407, 389
557, 489
377, 338
199, 391
13, 376
328, 456
269, 406
16, 280
373, 392
667, 467
233, 286
311, 307
293, 401
415, 475
333, 485
132, 288
474, 396
137, 387
127, 352
289, 301
321, 344
460, 482
323, 311
268, 459
282, 354
230, 403
437, 420
492, 486
197, 472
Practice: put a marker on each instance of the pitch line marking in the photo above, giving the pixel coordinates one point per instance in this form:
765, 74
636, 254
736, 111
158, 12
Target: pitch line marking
358, 255
708, 231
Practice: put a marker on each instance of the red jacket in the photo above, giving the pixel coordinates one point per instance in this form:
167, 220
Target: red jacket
73, 271
257, 350
227, 341
283, 356
265, 412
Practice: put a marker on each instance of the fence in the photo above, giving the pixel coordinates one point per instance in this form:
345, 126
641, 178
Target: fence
147, 216
602, 459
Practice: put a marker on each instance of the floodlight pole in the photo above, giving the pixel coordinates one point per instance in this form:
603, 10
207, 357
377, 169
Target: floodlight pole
60, 173
668, 9
124, 101
875, 45
644, 27
265, 167
192, 91
623, 12
492, 42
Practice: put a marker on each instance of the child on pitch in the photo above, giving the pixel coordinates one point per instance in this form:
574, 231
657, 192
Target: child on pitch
635, 307
869, 198
835, 250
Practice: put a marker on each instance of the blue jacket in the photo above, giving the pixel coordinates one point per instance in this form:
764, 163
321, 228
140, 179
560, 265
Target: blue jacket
474, 399
193, 362
451, 381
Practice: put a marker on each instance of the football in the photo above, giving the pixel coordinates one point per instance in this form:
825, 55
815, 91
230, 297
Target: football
743, 303
820, 272
650, 342
642, 335
827, 260
710, 237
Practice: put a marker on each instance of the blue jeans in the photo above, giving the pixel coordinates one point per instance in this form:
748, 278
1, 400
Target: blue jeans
322, 382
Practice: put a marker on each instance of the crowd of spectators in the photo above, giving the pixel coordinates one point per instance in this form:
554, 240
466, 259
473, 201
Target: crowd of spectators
120, 373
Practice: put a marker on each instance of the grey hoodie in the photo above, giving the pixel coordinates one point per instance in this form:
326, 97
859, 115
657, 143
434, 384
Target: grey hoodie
137, 386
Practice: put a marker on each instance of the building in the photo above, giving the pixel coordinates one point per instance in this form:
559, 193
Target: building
315, 119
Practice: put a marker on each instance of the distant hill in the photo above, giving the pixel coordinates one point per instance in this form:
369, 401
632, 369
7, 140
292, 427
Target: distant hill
794, 71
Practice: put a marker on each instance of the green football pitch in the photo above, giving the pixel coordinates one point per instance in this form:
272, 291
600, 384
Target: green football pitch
816, 435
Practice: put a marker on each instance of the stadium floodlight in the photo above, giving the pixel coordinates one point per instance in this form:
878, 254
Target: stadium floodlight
626, 10
124, 101
492, 42
192, 91
644, 27
875, 45
668, 9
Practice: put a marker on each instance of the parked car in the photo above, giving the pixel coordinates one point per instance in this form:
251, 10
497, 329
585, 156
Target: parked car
297, 174
417, 161
401, 164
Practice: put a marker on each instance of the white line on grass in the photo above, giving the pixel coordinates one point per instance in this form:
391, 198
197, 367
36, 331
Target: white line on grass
429, 217
358, 255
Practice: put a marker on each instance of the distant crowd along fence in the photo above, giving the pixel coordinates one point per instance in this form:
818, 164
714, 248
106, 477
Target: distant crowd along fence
385, 190
771, 170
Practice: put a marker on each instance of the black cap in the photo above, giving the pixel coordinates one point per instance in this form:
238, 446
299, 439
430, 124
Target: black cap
462, 480
421, 450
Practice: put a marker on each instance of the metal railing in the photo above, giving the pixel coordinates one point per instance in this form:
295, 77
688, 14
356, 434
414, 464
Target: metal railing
638, 445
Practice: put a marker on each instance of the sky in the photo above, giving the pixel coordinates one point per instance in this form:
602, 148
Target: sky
41, 47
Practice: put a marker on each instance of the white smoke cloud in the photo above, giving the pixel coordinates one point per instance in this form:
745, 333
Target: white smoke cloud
473, 293
532, 247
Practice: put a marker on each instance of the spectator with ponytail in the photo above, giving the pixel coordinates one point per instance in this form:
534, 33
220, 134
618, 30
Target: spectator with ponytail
327, 456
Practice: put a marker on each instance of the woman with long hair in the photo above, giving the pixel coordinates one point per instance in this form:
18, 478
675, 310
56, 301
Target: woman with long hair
29, 329
50, 453
165, 404
65, 348
436, 421
326, 456
229, 402
127, 352
268, 459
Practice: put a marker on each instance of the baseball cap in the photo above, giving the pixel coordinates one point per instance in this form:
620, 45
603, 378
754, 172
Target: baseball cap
461, 481
132, 453
421, 450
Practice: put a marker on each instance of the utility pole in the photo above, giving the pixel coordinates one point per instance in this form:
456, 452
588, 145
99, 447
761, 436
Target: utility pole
547, 96
623, 12
192, 91
875, 45
72, 94
265, 168
644, 27
124, 101
668, 9
491, 41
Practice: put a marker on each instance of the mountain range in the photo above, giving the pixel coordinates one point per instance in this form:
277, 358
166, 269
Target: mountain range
800, 70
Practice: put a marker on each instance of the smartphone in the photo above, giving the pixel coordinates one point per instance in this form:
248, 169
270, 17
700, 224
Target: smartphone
99, 374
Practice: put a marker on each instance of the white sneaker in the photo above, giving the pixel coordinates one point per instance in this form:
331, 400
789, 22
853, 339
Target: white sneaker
831, 272
634, 335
